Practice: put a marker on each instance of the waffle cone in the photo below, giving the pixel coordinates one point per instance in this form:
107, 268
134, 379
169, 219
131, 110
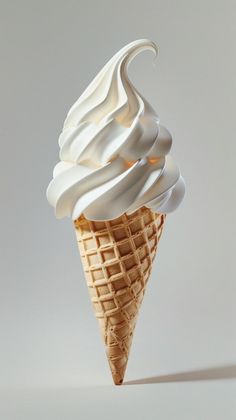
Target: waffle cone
117, 257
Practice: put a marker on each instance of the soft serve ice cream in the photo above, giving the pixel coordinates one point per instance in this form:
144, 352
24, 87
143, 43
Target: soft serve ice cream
114, 154
114, 161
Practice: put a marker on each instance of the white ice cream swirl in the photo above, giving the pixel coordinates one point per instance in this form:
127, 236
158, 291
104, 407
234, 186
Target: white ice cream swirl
113, 151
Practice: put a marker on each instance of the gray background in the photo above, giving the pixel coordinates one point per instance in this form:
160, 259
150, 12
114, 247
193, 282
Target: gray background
52, 362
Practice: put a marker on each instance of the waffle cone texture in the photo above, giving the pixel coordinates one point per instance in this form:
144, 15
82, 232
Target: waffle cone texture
117, 257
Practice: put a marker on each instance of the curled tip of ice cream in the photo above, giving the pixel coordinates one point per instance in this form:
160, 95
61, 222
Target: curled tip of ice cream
113, 151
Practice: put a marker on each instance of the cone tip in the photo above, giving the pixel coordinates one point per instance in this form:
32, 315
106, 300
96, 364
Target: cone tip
118, 379
120, 382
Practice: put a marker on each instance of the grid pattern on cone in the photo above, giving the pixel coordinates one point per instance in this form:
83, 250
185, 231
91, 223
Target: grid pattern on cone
117, 257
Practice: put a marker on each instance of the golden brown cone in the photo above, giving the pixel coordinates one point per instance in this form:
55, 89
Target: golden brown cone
117, 257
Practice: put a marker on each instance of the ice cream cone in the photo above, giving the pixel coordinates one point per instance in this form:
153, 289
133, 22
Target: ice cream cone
117, 257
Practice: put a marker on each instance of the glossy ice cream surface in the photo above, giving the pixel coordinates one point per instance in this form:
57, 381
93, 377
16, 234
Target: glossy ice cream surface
114, 154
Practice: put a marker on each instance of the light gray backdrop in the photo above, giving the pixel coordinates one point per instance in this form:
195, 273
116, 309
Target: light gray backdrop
52, 362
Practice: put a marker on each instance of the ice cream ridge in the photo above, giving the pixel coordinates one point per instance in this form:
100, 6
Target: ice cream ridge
117, 182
